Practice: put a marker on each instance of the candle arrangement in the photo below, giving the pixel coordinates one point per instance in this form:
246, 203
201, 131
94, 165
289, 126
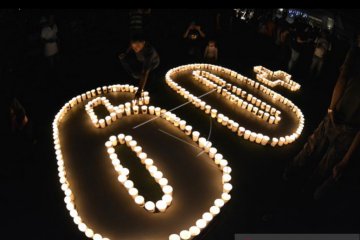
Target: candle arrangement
123, 174
277, 78
244, 100
132, 109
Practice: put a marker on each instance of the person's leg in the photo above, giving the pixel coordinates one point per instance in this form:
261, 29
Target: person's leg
313, 65
319, 67
293, 59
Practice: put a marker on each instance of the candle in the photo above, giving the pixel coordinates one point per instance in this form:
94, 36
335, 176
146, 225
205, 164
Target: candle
272, 119
121, 138
150, 206
157, 111
274, 142
182, 124
213, 113
220, 117
195, 136
113, 116
234, 126
128, 111
250, 106
253, 136
259, 137
108, 120
207, 109
202, 142
146, 100
265, 140
188, 129
113, 140
161, 205
102, 123
135, 109
132, 144
128, 138
144, 109
241, 131
247, 134
218, 157
281, 141
212, 152
225, 120
152, 110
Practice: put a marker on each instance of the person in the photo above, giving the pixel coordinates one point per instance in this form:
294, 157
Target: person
296, 43
49, 37
211, 52
328, 153
322, 47
139, 60
19, 121
194, 36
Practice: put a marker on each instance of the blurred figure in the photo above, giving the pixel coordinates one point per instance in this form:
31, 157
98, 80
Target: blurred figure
296, 44
322, 46
194, 36
331, 149
139, 60
211, 52
19, 121
49, 37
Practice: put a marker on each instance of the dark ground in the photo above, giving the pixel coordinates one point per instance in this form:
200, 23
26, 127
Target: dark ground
32, 201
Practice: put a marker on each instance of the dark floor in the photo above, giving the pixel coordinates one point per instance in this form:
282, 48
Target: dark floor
261, 202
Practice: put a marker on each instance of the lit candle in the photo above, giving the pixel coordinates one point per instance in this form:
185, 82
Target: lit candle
113, 116
241, 131
212, 152
144, 109
281, 141
182, 124
188, 129
157, 111
253, 136
136, 109
247, 134
265, 140
207, 109
218, 157
195, 136
150, 206
128, 138
272, 119
152, 110
102, 123
220, 117
274, 142
225, 120
113, 140
259, 137
213, 113
121, 138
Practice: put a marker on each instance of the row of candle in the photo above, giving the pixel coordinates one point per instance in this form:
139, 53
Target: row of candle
276, 78
114, 112
123, 173
246, 101
218, 159
241, 131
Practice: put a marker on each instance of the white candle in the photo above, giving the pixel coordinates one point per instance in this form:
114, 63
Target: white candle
234, 126
253, 136
202, 142
108, 120
272, 119
259, 137
128, 138
128, 111
207, 109
150, 206
218, 157
247, 134
225, 120
188, 129
241, 131
102, 123
135, 109
157, 111
274, 142
147, 100
281, 141
113, 116
265, 140
144, 109
121, 138
220, 117
113, 140
195, 136
152, 110
182, 124
212, 152
213, 113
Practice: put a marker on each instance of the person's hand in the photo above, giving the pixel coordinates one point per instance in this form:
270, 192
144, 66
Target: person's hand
339, 169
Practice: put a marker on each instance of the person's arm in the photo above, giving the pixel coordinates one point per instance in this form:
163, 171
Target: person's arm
142, 83
341, 82
342, 165
187, 32
206, 52
202, 34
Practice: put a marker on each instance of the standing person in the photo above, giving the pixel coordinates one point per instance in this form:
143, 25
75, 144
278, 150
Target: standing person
139, 60
49, 37
322, 46
194, 36
211, 52
296, 43
331, 149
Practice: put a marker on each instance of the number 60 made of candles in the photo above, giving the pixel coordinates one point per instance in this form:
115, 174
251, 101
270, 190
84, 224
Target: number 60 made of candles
93, 99
207, 75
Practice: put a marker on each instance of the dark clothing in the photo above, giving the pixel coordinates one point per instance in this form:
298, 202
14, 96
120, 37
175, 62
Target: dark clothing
137, 63
324, 149
347, 110
136, 22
